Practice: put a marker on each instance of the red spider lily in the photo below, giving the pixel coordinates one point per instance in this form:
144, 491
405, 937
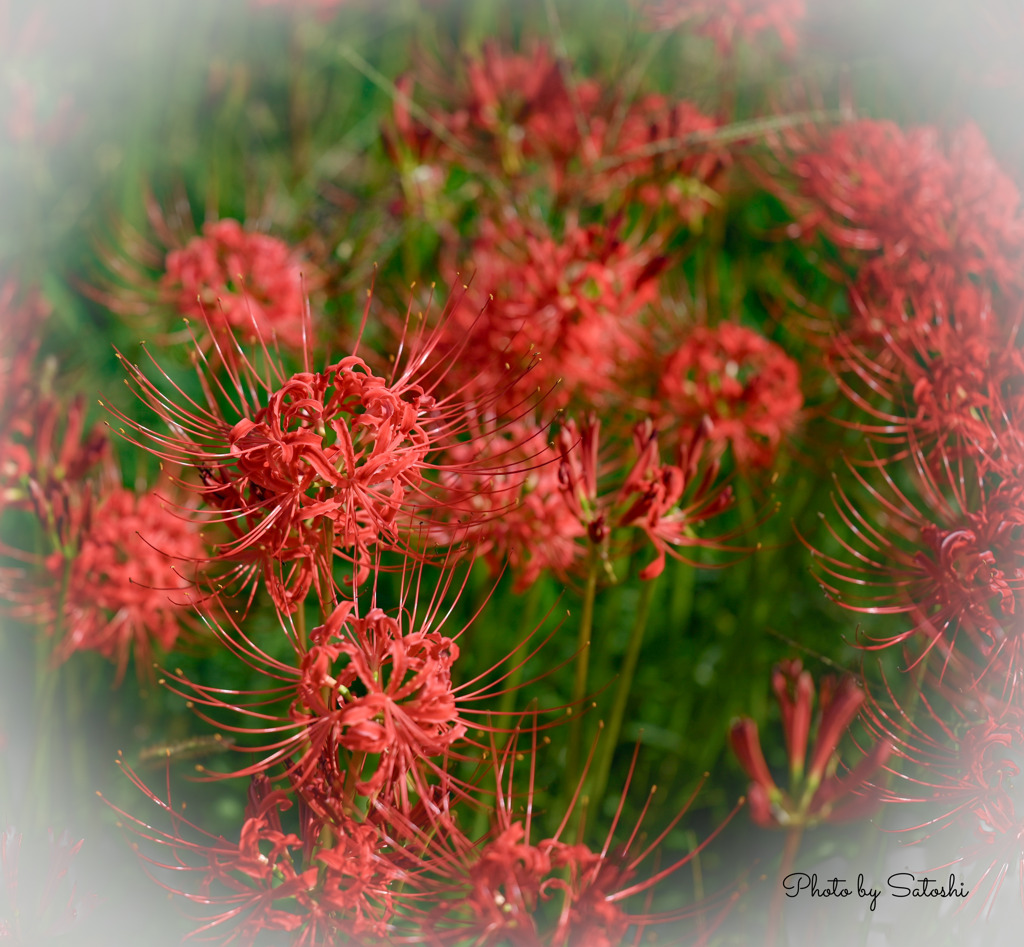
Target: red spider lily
333, 880
517, 517
19, 395
655, 151
23, 315
50, 454
505, 109
38, 905
567, 306
524, 102
506, 888
47, 462
959, 763
119, 578
418, 153
948, 387
525, 113
956, 564
931, 215
816, 793
745, 384
129, 580
238, 281
367, 706
665, 501
726, 21
380, 693
233, 282
304, 467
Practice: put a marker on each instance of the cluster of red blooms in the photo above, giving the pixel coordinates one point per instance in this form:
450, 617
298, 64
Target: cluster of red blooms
229, 279
350, 827
309, 477
747, 386
350, 745
574, 308
934, 232
517, 516
569, 307
247, 283
520, 118
114, 566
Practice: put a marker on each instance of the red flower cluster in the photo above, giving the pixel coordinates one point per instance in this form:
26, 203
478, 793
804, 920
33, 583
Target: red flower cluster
513, 515
523, 117
568, 308
503, 108
380, 692
236, 281
746, 385
304, 467
128, 585
357, 834
662, 151
934, 232
20, 320
929, 216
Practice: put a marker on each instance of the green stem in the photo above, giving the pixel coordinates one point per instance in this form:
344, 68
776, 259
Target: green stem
511, 684
300, 624
572, 768
614, 727
510, 687
684, 580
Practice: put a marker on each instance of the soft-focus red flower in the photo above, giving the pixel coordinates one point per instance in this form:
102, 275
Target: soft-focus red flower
816, 792
334, 877
746, 385
21, 318
949, 387
258, 882
657, 153
247, 283
516, 118
726, 21
955, 563
128, 581
504, 109
957, 765
515, 511
568, 306
930, 214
